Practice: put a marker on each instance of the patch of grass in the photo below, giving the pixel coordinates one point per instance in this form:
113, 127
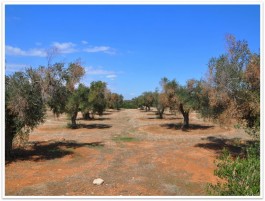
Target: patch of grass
124, 139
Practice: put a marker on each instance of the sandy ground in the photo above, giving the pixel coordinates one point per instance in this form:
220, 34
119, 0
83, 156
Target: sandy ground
131, 150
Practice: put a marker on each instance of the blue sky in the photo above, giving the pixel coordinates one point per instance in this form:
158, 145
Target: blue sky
131, 47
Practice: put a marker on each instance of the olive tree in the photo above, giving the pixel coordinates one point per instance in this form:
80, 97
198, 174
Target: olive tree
77, 101
54, 90
114, 100
139, 102
160, 102
233, 84
24, 106
27, 94
183, 99
148, 100
97, 97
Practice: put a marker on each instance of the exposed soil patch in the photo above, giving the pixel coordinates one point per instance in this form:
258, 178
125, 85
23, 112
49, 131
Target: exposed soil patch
133, 151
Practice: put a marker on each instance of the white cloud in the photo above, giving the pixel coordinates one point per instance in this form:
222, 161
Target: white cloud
84, 42
111, 76
104, 49
97, 71
92, 71
14, 50
64, 48
10, 50
11, 67
67, 47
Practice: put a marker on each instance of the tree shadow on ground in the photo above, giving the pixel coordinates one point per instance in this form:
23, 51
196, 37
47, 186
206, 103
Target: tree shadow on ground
106, 113
170, 118
148, 112
178, 126
109, 112
92, 126
40, 151
95, 119
233, 145
169, 114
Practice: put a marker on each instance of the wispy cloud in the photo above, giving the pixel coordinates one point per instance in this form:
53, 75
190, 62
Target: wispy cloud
104, 49
12, 67
10, 50
84, 42
67, 47
92, 71
63, 48
111, 76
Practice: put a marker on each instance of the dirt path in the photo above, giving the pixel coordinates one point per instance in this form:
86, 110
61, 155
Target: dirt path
135, 154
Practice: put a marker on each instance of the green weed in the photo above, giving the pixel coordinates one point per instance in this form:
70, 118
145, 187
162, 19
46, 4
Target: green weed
242, 174
124, 139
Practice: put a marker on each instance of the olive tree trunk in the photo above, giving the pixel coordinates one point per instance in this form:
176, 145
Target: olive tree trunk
185, 115
160, 112
73, 120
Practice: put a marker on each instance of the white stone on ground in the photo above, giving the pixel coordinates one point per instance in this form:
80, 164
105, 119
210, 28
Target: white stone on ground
98, 181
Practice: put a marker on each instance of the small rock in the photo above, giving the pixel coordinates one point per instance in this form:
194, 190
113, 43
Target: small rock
98, 181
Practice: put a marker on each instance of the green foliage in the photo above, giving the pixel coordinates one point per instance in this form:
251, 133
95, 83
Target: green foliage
160, 102
148, 99
54, 89
24, 105
28, 92
138, 101
170, 88
242, 175
145, 100
97, 97
58, 83
83, 93
77, 100
182, 98
129, 104
24, 100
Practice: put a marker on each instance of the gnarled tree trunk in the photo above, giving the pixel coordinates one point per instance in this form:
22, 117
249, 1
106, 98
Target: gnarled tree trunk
160, 112
9, 136
10, 132
73, 120
185, 115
